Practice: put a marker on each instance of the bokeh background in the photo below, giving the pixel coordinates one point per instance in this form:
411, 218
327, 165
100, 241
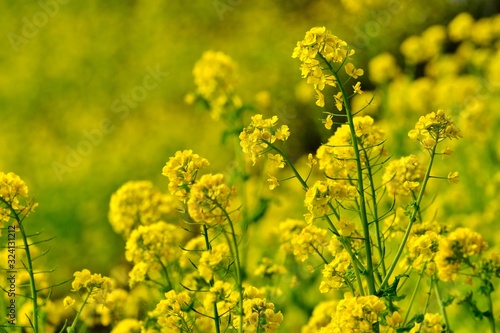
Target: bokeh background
67, 67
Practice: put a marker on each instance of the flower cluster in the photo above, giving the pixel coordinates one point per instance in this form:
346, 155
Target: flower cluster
336, 157
457, 249
356, 314
434, 128
320, 48
215, 259
138, 203
215, 79
171, 313
320, 195
430, 324
150, 248
259, 314
12, 189
256, 138
181, 170
223, 296
209, 199
423, 244
403, 176
335, 272
97, 287
310, 240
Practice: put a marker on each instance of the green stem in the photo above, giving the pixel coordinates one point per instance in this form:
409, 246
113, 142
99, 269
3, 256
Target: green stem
71, 329
216, 311
289, 163
31, 273
361, 189
235, 251
413, 218
491, 316
414, 294
440, 302
380, 246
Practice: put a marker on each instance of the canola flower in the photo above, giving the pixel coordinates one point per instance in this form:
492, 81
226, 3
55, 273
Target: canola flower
320, 46
181, 170
256, 138
216, 79
138, 203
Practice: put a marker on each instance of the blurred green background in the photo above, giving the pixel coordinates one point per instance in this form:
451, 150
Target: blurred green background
66, 67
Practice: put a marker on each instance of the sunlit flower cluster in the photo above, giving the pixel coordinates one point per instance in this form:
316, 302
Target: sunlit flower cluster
457, 249
259, 313
310, 240
171, 312
96, 287
215, 79
403, 176
356, 314
431, 324
138, 203
336, 157
434, 128
12, 189
149, 248
318, 50
257, 137
335, 272
181, 170
209, 199
322, 193
218, 258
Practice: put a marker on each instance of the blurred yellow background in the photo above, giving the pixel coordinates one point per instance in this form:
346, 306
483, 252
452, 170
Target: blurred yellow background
92, 93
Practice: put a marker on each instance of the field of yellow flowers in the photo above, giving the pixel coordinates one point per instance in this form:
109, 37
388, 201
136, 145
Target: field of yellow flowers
234, 166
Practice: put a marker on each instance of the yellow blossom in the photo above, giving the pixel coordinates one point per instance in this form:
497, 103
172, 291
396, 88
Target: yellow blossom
353, 71
209, 199
181, 170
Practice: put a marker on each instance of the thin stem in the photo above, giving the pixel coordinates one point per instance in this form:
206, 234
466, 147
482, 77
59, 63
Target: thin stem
71, 329
440, 302
236, 254
491, 317
30, 271
289, 163
380, 246
414, 294
361, 189
216, 311
413, 218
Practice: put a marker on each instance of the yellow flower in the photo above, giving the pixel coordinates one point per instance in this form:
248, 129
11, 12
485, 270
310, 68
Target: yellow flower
256, 137
138, 203
339, 101
273, 182
383, 68
209, 199
460, 27
402, 176
353, 71
68, 302
329, 122
357, 88
215, 79
181, 171
453, 177
458, 247
317, 47
433, 128
431, 324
